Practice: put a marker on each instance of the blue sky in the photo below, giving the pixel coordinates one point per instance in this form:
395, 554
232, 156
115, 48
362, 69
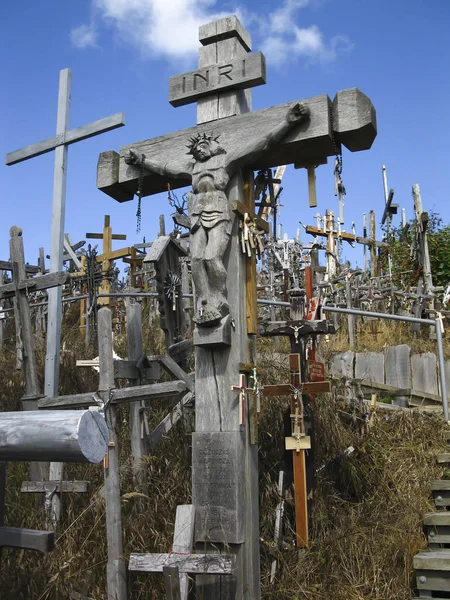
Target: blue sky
122, 53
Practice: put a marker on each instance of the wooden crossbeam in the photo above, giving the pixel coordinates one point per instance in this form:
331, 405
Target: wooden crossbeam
296, 328
69, 137
7, 265
27, 539
35, 284
162, 391
66, 487
241, 210
196, 564
347, 237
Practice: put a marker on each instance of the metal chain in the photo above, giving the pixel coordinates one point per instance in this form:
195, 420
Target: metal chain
140, 191
340, 188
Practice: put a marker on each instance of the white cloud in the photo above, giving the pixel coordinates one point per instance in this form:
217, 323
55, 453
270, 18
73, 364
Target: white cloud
159, 27
284, 39
169, 28
84, 36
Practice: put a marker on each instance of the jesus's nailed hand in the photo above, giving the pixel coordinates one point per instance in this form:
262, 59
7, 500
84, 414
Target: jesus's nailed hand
297, 112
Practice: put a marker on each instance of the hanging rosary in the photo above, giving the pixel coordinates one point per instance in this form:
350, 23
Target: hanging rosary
140, 192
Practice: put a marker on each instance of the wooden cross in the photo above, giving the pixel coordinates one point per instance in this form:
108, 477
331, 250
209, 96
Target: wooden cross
78, 436
108, 255
221, 449
16, 537
243, 391
298, 442
333, 233
106, 399
371, 242
60, 143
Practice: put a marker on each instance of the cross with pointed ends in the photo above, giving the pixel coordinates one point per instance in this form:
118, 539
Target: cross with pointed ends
224, 462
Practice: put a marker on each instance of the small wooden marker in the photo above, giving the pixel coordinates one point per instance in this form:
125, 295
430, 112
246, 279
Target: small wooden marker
243, 391
106, 459
310, 167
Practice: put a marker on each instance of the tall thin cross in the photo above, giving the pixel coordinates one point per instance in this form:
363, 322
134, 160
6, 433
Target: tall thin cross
298, 442
60, 144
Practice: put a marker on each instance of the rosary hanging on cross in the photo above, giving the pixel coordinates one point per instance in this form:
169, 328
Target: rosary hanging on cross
140, 192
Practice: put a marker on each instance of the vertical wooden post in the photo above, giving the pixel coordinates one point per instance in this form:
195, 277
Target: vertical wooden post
373, 247
57, 239
250, 263
116, 573
365, 245
425, 254
2, 499
227, 518
350, 318
183, 540
105, 287
138, 437
24, 332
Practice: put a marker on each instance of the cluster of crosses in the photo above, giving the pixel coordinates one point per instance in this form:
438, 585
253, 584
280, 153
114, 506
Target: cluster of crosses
217, 538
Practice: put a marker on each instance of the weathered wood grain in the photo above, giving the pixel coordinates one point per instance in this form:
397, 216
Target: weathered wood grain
433, 561
35, 284
183, 542
239, 73
214, 564
176, 371
71, 487
170, 420
172, 582
115, 570
312, 137
69, 137
27, 539
69, 436
137, 414
221, 29
162, 391
6, 265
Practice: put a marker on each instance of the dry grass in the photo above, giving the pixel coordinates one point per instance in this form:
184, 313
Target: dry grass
376, 335
365, 515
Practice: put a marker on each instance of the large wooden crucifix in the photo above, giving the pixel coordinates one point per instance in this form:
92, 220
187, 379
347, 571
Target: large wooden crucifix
218, 157
60, 144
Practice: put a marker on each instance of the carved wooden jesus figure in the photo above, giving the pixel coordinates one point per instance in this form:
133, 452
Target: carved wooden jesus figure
211, 169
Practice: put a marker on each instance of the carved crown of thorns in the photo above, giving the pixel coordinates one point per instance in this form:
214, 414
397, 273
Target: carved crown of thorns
194, 141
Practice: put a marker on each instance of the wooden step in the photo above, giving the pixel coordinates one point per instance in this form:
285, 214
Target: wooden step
441, 492
437, 529
432, 571
437, 519
443, 458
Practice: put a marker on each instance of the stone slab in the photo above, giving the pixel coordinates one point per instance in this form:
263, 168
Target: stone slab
424, 373
217, 490
342, 364
398, 369
369, 366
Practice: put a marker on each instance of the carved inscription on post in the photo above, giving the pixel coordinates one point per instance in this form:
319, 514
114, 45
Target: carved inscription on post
240, 73
218, 497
